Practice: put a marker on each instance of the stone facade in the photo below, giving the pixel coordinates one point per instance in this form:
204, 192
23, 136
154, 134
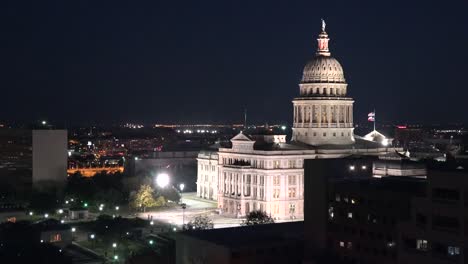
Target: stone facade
207, 180
323, 115
263, 172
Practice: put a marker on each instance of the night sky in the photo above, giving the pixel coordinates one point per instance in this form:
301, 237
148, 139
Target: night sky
204, 61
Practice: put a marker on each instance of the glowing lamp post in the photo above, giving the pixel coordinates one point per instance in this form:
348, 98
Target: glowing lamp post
162, 180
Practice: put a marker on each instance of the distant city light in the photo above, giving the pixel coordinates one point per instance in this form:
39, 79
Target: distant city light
181, 186
136, 158
151, 242
162, 180
283, 127
46, 215
73, 229
92, 236
44, 122
62, 221
60, 211
116, 257
114, 245
151, 223
31, 213
351, 167
117, 208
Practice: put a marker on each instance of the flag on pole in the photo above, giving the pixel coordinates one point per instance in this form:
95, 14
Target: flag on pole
371, 117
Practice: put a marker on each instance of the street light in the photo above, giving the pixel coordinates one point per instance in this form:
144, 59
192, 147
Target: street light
181, 186
46, 215
117, 208
31, 213
114, 245
162, 180
92, 236
183, 215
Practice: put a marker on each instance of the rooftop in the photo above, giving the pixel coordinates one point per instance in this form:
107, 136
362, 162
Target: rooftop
247, 236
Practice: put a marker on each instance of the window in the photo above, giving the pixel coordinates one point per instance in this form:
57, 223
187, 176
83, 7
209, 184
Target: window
276, 164
324, 134
349, 245
56, 238
276, 193
292, 179
292, 192
350, 215
421, 244
292, 208
334, 134
291, 164
453, 251
331, 213
337, 197
276, 180
342, 243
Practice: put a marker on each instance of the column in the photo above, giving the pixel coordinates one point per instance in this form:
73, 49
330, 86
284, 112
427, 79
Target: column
319, 116
311, 119
329, 115
295, 113
338, 115
302, 115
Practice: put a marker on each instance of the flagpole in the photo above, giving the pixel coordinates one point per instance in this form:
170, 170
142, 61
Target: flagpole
375, 118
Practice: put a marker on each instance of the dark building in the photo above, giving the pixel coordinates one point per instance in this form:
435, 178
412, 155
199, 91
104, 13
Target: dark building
269, 243
351, 216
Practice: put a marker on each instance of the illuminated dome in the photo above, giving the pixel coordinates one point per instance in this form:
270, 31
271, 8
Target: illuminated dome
323, 69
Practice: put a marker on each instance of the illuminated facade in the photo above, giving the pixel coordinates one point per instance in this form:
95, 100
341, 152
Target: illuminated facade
264, 172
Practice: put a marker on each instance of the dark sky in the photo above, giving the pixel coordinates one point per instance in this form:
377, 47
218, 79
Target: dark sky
201, 61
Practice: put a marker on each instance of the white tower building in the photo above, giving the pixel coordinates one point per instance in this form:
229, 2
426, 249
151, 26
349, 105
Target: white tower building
323, 115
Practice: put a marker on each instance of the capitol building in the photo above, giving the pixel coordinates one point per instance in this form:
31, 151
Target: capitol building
265, 172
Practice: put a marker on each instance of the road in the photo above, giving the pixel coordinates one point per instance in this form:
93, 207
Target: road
194, 206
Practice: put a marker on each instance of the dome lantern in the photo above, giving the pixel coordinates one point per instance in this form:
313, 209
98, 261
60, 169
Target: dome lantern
322, 47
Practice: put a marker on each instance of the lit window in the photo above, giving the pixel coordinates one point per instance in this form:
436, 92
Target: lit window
353, 201
341, 244
349, 245
421, 244
56, 238
453, 251
350, 215
351, 167
331, 214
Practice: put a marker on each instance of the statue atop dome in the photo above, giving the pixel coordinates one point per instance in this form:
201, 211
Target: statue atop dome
323, 25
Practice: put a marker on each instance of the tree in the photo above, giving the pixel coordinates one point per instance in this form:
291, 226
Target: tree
200, 222
257, 218
170, 194
144, 198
